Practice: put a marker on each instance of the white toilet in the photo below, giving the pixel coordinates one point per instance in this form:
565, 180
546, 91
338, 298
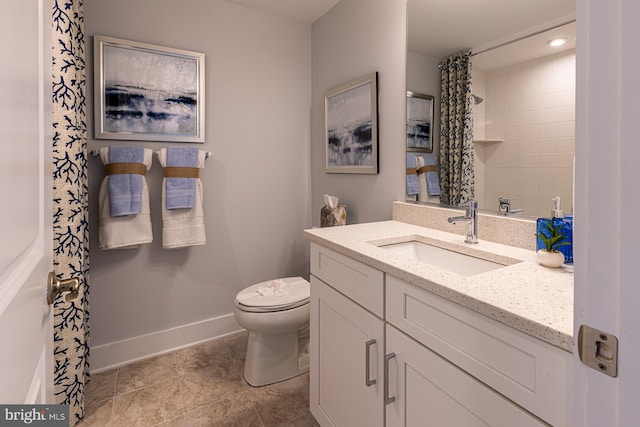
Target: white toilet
276, 314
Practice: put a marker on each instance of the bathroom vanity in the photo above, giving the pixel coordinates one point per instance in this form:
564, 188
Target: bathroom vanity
401, 340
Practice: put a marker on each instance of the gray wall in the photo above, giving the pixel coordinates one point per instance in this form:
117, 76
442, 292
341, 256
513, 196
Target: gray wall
256, 187
264, 185
354, 38
423, 76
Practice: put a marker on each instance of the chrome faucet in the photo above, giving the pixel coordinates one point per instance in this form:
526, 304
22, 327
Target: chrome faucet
504, 206
471, 218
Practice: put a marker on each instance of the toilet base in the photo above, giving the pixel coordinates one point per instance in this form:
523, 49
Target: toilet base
274, 358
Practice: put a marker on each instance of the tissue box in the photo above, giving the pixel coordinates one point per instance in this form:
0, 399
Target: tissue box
336, 216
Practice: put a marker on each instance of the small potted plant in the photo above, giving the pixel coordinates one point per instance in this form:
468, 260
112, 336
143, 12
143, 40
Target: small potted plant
552, 237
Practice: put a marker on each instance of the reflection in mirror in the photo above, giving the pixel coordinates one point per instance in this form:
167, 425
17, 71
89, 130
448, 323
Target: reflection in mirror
422, 171
419, 122
523, 103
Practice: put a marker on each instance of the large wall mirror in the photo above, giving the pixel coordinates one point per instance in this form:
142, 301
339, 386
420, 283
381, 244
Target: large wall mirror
523, 102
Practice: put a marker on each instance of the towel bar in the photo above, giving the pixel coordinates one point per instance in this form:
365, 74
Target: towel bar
207, 155
96, 153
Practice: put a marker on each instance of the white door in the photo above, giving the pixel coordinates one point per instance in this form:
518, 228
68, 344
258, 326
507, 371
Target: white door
607, 236
26, 353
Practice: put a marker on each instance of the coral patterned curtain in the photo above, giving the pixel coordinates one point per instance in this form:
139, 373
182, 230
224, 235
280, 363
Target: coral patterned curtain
70, 204
456, 131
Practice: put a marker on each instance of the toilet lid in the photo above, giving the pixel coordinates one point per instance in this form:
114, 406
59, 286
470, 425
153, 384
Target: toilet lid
272, 295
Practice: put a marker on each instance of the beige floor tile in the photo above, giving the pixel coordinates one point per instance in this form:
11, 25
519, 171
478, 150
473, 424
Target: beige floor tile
198, 386
149, 406
175, 422
284, 402
204, 386
238, 410
237, 344
146, 372
101, 386
201, 356
97, 413
238, 349
304, 421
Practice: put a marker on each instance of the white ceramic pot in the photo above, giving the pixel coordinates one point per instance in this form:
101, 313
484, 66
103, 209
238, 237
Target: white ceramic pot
550, 259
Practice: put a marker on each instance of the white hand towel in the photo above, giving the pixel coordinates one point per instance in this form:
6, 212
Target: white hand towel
423, 195
128, 231
183, 227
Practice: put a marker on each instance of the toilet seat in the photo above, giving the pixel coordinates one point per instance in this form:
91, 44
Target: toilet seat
294, 292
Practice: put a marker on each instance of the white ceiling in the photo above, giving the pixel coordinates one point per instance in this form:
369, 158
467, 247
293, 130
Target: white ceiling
532, 47
306, 11
438, 28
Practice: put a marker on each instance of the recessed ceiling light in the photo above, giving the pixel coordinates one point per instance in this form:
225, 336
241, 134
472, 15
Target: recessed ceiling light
557, 42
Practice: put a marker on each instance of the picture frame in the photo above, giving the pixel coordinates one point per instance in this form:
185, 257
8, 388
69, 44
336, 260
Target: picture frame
146, 92
419, 122
351, 126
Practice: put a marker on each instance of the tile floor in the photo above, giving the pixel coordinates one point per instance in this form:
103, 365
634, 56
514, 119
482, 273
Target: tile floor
197, 386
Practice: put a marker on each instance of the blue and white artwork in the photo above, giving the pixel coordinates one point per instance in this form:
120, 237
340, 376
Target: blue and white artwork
351, 133
419, 122
149, 92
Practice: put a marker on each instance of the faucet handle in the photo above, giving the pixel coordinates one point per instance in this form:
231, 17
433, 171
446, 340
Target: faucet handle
504, 204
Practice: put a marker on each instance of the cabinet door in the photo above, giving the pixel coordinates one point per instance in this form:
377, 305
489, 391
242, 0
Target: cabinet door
533, 374
340, 394
430, 391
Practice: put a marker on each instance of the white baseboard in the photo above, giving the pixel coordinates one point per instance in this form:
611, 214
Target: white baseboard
119, 353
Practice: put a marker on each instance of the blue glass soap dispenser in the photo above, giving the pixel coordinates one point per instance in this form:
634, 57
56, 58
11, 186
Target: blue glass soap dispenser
566, 227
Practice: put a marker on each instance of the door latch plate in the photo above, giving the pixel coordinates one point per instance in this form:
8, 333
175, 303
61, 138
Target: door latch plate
598, 350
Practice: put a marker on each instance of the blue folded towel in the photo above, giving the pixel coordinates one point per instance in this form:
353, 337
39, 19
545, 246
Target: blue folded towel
181, 192
433, 182
412, 179
125, 190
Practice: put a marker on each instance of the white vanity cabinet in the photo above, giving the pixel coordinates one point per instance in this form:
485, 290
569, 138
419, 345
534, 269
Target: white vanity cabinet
385, 352
347, 341
532, 374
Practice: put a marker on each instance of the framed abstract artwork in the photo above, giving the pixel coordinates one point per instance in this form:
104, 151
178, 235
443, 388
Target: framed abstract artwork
351, 126
419, 122
147, 92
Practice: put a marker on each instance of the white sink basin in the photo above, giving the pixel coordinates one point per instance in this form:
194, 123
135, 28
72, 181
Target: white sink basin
456, 262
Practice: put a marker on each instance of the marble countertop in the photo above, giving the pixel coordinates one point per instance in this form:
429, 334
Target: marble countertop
524, 295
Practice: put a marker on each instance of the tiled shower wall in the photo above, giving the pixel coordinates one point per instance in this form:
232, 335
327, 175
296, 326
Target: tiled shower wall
531, 108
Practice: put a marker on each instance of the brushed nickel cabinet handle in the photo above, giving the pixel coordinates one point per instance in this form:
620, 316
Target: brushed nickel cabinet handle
367, 379
387, 399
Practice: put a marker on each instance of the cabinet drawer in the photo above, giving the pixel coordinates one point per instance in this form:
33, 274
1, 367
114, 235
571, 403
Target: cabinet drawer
358, 281
530, 372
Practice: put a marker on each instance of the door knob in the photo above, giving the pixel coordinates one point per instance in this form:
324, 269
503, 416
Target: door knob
57, 286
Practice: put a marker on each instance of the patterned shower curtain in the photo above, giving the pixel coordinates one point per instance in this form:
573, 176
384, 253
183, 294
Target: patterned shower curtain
456, 131
70, 204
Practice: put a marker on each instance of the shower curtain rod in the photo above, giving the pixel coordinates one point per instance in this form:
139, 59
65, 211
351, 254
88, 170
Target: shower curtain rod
523, 37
